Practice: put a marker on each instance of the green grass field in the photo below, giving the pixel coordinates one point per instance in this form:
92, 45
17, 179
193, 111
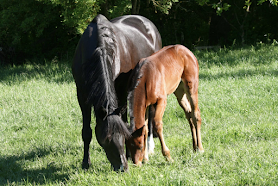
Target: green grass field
40, 127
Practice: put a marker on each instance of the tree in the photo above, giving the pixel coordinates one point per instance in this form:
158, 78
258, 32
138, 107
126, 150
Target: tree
48, 28
238, 18
42, 27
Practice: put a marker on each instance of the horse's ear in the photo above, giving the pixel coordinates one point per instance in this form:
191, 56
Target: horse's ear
121, 110
138, 132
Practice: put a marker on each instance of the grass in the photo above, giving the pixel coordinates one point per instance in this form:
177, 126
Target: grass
40, 127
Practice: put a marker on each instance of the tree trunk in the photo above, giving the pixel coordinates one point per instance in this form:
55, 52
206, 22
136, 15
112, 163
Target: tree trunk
135, 6
104, 9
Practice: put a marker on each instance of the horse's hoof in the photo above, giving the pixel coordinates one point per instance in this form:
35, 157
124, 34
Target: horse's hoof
85, 166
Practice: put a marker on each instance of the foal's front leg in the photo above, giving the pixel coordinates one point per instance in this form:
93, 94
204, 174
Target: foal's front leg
160, 108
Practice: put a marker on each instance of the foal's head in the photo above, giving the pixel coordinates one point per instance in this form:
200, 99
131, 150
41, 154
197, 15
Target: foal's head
111, 135
136, 145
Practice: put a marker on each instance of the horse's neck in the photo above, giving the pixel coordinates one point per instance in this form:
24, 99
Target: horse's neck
123, 59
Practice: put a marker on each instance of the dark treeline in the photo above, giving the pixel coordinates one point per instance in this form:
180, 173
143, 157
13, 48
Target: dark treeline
51, 28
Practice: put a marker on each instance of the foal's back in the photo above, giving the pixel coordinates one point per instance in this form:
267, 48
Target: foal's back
163, 71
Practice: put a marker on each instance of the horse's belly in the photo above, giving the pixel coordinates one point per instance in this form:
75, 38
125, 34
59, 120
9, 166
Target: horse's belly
172, 86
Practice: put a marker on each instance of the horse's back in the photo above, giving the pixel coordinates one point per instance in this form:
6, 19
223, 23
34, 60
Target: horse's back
142, 25
168, 66
174, 56
137, 38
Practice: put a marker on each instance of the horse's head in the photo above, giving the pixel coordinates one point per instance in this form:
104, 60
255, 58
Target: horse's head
111, 135
136, 145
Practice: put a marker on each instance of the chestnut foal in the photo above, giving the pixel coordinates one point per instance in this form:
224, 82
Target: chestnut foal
171, 69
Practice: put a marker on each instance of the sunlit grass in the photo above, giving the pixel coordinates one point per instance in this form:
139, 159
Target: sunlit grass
40, 127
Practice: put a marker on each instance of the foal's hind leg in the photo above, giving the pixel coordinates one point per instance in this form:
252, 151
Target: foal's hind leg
86, 130
160, 108
150, 142
192, 113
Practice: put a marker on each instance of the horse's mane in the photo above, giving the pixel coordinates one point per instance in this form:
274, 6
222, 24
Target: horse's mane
99, 84
98, 69
109, 130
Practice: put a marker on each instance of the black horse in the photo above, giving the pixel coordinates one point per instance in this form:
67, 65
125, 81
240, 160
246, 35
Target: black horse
104, 58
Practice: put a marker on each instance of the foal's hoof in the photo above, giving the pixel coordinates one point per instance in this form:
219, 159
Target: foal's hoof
139, 164
145, 160
200, 151
169, 159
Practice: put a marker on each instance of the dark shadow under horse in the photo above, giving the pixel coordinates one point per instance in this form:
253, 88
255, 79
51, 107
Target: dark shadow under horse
104, 58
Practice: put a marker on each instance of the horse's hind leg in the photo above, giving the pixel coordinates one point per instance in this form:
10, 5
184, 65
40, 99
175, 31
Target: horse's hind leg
158, 125
194, 118
86, 130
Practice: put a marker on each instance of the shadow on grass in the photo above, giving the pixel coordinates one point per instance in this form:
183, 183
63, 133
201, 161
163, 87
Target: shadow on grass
14, 171
51, 72
239, 74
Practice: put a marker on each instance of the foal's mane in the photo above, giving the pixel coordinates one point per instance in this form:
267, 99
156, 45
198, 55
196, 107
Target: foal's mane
136, 75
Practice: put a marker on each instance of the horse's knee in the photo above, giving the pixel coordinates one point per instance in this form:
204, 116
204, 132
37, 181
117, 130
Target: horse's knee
87, 134
198, 116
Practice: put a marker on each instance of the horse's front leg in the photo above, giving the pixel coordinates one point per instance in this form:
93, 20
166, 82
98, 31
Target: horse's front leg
160, 108
86, 129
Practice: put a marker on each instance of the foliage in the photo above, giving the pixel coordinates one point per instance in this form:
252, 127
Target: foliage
221, 6
164, 5
40, 126
43, 27
51, 28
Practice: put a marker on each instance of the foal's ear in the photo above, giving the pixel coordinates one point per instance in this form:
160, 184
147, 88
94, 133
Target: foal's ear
120, 110
138, 132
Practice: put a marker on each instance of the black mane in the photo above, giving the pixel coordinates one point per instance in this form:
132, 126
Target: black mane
109, 130
98, 71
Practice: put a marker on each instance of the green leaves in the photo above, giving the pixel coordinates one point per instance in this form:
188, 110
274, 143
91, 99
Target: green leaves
220, 6
273, 2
